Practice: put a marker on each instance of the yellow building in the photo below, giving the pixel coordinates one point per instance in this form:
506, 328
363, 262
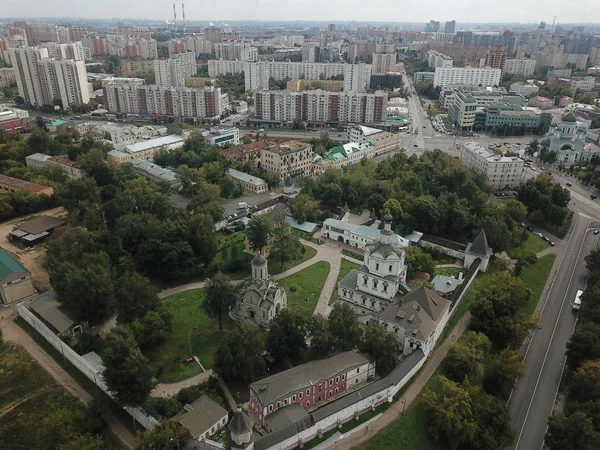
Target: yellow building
309, 85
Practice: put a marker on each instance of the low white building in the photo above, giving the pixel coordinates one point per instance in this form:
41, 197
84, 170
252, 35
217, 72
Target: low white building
153, 172
147, 149
222, 136
524, 89
203, 418
251, 183
39, 160
358, 236
417, 320
383, 141
501, 171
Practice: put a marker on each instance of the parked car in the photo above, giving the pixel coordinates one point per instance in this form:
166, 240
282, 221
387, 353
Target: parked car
551, 243
596, 231
593, 196
569, 184
530, 228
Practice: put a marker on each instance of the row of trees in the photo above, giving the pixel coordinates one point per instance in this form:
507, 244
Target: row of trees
433, 194
469, 410
578, 426
239, 355
546, 201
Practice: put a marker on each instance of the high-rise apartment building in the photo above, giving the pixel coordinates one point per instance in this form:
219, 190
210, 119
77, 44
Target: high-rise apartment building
130, 95
235, 50
65, 51
172, 71
357, 77
308, 53
144, 33
501, 171
383, 63
496, 57
437, 59
41, 79
320, 106
129, 46
450, 27
525, 67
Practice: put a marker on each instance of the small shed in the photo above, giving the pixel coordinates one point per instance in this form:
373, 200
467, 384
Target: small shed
48, 309
203, 418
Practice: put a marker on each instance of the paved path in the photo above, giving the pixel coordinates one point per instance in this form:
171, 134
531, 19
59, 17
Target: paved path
13, 333
170, 389
418, 383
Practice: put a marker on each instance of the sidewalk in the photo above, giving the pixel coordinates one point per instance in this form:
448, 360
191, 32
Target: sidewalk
170, 389
418, 383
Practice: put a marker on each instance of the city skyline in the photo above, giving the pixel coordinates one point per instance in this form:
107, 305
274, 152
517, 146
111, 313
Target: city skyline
464, 11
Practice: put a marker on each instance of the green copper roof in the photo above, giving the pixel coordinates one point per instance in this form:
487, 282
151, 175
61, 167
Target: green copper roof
9, 265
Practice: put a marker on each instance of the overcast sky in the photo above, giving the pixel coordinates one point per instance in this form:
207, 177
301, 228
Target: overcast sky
463, 11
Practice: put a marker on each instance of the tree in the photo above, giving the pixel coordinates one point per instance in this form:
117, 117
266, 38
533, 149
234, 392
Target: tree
573, 432
343, 327
259, 230
239, 355
285, 244
515, 210
303, 208
467, 357
152, 328
321, 341
393, 207
83, 442
502, 371
167, 435
135, 296
586, 382
287, 335
128, 373
496, 311
525, 259
417, 261
532, 147
219, 297
382, 346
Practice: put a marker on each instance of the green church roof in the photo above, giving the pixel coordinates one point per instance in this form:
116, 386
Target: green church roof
9, 265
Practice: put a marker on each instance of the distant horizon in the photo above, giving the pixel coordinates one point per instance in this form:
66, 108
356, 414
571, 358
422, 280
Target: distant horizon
332, 11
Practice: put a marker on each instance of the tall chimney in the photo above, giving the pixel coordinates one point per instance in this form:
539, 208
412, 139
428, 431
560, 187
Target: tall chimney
183, 16
174, 18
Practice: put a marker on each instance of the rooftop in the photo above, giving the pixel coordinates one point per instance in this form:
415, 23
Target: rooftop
21, 184
153, 143
201, 415
243, 176
39, 224
276, 386
154, 170
368, 131
285, 416
48, 308
9, 266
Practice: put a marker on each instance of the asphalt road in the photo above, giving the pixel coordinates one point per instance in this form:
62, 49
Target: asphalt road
534, 395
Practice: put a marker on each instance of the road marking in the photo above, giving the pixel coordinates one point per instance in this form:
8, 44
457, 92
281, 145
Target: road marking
537, 382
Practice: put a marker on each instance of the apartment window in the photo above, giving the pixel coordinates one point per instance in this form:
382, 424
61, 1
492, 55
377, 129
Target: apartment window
308, 392
294, 397
300, 396
337, 379
270, 408
331, 382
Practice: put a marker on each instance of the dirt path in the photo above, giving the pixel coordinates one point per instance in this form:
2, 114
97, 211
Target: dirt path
398, 408
31, 259
170, 389
13, 333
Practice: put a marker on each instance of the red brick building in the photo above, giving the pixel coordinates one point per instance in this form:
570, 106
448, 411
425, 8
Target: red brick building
309, 384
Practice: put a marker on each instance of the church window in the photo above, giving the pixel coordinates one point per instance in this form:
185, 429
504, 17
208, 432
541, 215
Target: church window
390, 267
365, 280
376, 266
385, 286
263, 314
374, 284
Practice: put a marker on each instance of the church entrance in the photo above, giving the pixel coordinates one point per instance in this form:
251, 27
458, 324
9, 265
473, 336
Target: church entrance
251, 314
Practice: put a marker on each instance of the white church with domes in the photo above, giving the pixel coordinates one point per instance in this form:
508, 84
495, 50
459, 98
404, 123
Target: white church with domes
261, 297
567, 139
380, 279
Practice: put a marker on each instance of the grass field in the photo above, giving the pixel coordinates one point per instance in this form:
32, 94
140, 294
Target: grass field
449, 271
29, 396
535, 278
304, 288
533, 244
190, 326
275, 266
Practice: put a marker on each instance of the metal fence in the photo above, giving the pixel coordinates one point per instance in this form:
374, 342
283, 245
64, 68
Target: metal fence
81, 364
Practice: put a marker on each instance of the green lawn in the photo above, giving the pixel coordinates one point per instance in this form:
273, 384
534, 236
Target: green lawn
533, 244
275, 266
449, 271
352, 254
535, 278
304, 288
34, 396
169, 357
